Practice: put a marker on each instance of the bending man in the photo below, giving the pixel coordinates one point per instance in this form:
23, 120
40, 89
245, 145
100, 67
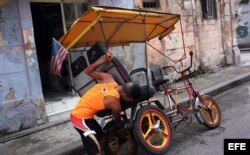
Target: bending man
104, 95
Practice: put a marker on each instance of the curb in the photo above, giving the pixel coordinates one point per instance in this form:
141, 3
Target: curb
221, 87
224, 86
31, 131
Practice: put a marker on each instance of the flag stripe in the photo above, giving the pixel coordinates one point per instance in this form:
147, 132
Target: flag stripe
59, 54
61, 60
59, 63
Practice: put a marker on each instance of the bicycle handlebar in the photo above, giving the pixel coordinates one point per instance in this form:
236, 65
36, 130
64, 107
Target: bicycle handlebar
183, 71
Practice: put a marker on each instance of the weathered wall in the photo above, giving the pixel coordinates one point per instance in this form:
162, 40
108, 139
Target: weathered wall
21, 99
117, 3
216, 37
242, 19
172, 45
210, 40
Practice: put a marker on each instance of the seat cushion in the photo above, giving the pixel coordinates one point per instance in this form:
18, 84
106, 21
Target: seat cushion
160, 80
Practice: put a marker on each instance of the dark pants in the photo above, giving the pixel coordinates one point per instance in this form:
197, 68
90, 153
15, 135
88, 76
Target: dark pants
91, 133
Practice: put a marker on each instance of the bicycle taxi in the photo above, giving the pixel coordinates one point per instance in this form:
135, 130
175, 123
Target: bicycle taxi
146, 122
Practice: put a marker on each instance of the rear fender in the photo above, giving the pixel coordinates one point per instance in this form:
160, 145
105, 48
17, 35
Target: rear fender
134, 109
197, 110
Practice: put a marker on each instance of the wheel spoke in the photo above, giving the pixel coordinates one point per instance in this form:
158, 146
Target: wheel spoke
210, 110
147, 133
209, 114
152, 118
150, 122
150, 138
149, 126
165, 133
209, 105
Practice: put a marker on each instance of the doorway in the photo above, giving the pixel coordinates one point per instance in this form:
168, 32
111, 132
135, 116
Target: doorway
47, 23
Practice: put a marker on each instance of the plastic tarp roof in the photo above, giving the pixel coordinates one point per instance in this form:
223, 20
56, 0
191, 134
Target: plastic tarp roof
118, 26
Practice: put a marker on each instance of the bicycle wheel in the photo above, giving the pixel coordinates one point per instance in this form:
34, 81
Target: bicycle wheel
152, 130
210, 112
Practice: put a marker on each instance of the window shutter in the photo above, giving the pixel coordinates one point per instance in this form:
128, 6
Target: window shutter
209, 9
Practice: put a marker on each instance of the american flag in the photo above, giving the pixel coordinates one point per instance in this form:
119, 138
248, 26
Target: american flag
59, 54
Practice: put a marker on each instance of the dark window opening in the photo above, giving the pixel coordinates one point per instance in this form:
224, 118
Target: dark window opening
244, 2
72, 11
47, 23
209, 9
151, 3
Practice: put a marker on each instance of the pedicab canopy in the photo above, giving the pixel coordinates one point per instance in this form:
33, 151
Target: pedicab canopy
118, 26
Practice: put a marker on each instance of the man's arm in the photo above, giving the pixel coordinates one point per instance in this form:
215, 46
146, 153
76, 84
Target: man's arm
113, 103
116, 110
101, 76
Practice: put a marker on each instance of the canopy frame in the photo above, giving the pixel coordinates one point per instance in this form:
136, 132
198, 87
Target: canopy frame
138, 17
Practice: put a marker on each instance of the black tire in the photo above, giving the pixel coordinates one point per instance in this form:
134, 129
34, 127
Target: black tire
211, 118
145, 135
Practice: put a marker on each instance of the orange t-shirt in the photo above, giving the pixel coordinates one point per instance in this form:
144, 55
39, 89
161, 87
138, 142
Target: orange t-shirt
92, 101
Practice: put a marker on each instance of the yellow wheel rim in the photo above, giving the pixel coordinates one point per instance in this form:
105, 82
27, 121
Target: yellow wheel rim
155, 129
212, 117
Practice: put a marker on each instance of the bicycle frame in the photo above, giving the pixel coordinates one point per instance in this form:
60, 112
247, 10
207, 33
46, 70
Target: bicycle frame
171, 101
193, 94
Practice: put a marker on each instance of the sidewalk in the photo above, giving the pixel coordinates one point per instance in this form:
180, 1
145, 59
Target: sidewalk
60, 138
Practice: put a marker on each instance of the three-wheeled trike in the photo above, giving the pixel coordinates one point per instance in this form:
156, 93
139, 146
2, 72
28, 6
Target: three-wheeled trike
147, 122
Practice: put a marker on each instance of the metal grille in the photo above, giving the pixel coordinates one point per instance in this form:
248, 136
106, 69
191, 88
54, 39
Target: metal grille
151, 3
209, 9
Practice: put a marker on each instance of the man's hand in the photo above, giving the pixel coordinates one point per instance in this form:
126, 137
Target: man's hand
97, 75
108, 55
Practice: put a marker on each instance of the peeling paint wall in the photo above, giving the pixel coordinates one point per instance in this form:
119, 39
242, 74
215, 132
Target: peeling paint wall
242, 19
21, 99
184, 31
172, 45
211, 54
212, 41
216, 37
12, 55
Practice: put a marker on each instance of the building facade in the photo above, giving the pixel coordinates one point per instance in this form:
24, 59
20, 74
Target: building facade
242, 19
30, 95
207, 30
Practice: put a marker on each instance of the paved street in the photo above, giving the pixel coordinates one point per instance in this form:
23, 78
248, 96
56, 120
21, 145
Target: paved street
196, 139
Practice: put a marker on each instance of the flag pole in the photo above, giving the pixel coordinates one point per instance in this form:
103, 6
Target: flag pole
68, 57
